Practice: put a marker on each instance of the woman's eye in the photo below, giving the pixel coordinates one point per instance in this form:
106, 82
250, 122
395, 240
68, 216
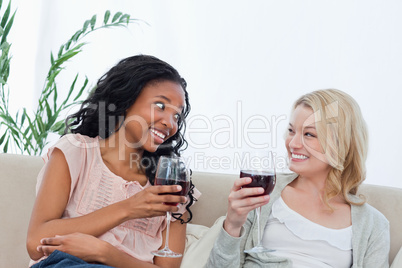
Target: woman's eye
290, 130
177, 116
160, 105
309, 135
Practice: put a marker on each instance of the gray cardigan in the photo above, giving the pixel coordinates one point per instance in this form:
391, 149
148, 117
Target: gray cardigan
370, 242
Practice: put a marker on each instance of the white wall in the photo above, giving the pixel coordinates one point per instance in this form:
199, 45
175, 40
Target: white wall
245, 63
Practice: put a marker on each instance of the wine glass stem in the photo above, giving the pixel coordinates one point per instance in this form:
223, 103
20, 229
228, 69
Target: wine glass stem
168, 216
258, 211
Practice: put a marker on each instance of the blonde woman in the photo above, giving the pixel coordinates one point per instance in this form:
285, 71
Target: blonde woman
313, 218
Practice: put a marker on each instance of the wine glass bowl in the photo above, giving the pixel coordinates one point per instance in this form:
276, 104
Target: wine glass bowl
264, 179
171, 170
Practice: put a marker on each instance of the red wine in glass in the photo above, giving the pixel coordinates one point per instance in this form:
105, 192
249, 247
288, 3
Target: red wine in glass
262, 179
185, 186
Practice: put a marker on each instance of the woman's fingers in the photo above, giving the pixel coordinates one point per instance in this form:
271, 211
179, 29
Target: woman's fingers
160, 189
46, 250
166, 193
242, 200
155, 201
240, 182
51, 241
248, 202
48, 245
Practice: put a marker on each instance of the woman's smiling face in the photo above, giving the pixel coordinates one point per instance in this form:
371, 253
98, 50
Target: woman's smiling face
305, 152
153, 118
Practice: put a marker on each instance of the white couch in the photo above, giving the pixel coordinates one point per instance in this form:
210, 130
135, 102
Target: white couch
17, 192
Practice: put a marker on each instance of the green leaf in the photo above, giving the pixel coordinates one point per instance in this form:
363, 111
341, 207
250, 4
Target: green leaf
53, 75
55, 100
82, 89
57, 126
51, 58
5, 148
85, 27
5, 47
62, 130
23, 119
68, 55
71, 89
125, 19
116, 16
67, 45
76, 35
93, 21
28, 143
7, 29
48, 110
14, 132
6, 15
34, 131
3, 137
7, 118
41, 125
17, 142
60, 51
106, 17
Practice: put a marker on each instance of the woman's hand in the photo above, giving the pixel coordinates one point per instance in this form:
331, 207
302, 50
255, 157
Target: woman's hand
151, 202
83, 246
241, 202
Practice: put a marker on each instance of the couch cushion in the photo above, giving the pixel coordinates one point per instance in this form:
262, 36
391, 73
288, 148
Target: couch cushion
199, 243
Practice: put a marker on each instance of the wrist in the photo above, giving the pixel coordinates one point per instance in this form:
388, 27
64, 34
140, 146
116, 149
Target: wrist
232, 230
122, 207
103, 251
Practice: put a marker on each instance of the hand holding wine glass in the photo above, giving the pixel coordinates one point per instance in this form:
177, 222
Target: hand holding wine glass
260, 167
171, 171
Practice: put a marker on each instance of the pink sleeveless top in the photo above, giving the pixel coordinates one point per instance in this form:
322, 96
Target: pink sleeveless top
94, 186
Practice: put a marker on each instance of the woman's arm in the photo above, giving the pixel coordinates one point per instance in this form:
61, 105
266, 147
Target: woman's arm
377, 252
228, 245
52, 199
92, 249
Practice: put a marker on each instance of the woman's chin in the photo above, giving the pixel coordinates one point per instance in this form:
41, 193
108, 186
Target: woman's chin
152, 148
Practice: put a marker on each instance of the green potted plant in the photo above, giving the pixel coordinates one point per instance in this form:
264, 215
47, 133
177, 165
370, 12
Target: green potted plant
29, 131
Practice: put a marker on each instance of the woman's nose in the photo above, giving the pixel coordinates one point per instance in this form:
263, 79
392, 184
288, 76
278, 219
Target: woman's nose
168, 120
296, 141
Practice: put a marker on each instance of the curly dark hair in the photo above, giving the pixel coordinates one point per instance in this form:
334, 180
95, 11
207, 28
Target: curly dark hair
104, 111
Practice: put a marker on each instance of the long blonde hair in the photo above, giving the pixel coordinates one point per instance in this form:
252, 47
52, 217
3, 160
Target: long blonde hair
343, 135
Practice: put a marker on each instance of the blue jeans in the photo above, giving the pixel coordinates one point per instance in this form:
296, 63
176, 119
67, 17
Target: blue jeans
60, 259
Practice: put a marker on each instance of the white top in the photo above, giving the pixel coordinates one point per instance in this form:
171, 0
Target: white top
306, 243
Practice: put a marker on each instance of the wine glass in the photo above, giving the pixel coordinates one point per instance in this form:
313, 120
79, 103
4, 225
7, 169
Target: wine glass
171, 170
260, 167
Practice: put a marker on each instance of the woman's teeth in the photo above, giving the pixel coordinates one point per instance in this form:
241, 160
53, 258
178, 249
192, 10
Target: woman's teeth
159, 134
299, 156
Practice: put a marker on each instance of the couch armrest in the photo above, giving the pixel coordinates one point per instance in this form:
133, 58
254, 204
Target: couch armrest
17, 179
